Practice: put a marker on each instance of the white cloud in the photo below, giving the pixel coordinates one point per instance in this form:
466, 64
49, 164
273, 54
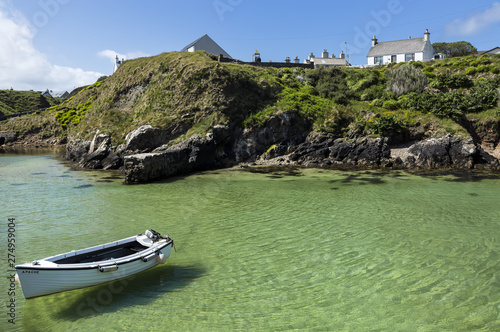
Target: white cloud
476, 23
22, 67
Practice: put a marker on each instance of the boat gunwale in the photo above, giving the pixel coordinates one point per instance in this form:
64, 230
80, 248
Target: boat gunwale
155, 247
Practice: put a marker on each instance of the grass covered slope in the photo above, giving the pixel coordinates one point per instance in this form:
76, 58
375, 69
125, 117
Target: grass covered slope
22, 101
188, 93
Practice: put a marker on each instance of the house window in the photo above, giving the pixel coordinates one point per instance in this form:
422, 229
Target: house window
378, 60
410, 57
393, 58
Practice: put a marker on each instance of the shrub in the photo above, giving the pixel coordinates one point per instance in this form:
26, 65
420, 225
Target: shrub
372, 93
471, 71
405, 79
391, 104
386, 124
484, 95
449, 81
67, 115
331, 84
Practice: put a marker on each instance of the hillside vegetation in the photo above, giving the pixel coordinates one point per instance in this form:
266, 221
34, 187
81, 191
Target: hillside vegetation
22, 101
188, 93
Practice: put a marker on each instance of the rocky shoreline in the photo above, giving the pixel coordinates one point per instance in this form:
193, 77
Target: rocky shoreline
147, 154
219, 149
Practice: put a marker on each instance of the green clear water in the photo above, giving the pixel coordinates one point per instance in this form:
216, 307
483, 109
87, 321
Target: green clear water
318, 251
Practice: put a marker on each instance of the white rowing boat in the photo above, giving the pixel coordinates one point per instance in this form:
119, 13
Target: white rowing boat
95, 265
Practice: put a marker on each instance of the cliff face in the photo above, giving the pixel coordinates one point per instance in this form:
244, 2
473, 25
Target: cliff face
177, 113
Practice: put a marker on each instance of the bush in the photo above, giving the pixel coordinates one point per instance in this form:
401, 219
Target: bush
391, 104
405, 79
471, 71
372, 93
386, 124
484, 95
331, 84
67, 115
448, 81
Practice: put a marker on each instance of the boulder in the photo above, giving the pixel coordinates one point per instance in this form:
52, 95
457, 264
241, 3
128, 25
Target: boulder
197, 153
325, 150
144, 138
443, 152
76, 149
7, 137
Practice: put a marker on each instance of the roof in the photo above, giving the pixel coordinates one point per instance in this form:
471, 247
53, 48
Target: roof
495, 50
329, 61
404, 46
55, 94
207, 44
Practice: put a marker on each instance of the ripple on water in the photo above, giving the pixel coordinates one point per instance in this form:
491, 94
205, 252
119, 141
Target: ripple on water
382, 251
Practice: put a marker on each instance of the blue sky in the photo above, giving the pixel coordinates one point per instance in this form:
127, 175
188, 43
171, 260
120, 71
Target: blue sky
62, 44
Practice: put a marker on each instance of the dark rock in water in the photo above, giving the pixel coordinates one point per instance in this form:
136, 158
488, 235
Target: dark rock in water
197, 153
112, 161
284, 140
76, 149
83, 186
325, 150
443, 152
95, 154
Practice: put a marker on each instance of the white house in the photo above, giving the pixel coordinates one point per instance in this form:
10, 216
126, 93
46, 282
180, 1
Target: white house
205, 43
411, 49
327, 62
55, 94
495, 50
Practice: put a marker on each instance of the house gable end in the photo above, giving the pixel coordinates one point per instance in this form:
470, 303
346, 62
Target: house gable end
205, 43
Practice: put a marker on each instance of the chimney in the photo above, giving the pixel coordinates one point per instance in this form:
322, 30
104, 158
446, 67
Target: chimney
311, 56
374, 41
409, 37
427, 35
342, 55
324, 55
287, 60
296, 60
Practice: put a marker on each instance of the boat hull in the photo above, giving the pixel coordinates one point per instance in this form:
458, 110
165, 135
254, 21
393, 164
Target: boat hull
46, 279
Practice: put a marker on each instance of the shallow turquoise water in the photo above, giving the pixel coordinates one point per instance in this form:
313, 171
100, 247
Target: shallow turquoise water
316, 250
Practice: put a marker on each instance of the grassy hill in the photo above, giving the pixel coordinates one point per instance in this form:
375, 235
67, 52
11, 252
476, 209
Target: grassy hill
188, 93
21, 101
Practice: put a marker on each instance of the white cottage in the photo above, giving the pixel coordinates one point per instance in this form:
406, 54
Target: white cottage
495, 50
205, 43
411, 49
326, 62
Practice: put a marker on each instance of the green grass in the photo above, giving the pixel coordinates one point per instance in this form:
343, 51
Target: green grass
12, 101
189, 93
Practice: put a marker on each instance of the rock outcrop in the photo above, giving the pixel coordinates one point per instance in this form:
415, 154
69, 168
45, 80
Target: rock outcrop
197, 153
95, 154
447, 152
7, 137
281, 141
327, 151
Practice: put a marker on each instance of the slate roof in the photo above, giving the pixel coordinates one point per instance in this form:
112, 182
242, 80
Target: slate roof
492, 51
329, 61
208, 45
404, 46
